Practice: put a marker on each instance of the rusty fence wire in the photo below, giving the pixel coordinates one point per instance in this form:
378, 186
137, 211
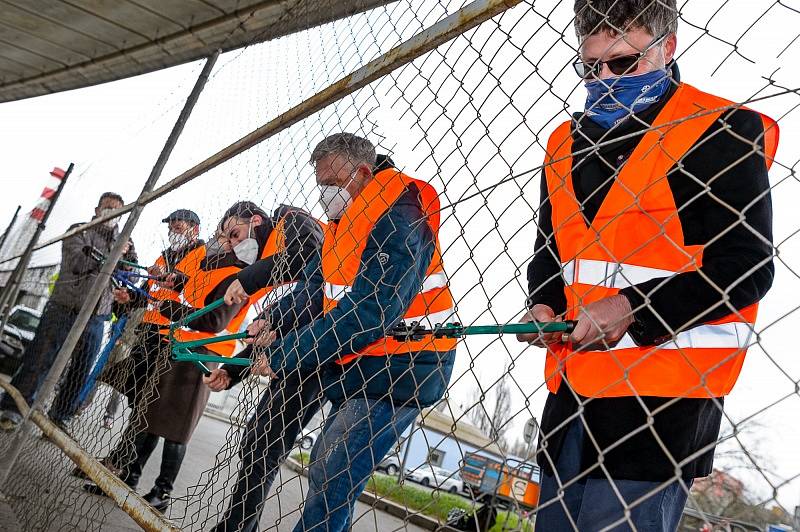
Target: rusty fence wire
676, 210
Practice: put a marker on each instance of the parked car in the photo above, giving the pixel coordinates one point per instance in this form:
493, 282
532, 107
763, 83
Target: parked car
17, 334
389, 465
307, 438
437, 478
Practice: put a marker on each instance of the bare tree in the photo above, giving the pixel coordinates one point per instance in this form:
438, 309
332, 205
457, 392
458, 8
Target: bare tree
723, 494
522, 449
491, 411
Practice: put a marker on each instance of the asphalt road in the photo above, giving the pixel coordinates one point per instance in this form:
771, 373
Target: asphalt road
282, 508
44, 496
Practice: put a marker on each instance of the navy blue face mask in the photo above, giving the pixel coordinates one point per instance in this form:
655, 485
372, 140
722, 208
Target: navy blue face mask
612, 100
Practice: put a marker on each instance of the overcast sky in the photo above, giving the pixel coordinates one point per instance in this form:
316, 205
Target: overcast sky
447, 119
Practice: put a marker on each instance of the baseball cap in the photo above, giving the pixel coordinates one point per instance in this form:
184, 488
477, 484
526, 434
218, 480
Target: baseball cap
183, 214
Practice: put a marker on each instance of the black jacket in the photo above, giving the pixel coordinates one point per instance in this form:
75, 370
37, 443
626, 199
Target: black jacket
79, 269
715, 183
303, 236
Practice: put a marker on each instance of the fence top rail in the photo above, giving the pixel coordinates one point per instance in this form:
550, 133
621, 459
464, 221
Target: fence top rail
266, 131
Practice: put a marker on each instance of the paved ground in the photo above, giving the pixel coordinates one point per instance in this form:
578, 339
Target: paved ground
45, 497
281, 511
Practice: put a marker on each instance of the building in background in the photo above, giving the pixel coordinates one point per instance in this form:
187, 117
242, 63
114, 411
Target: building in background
435, 438
36, 285
438, 439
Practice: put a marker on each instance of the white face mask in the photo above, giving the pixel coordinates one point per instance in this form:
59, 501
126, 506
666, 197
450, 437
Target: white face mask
335, 200
177, 241
112, 223
247, 250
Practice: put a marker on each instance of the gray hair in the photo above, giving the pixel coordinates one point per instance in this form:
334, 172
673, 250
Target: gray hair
658, 17
358, 150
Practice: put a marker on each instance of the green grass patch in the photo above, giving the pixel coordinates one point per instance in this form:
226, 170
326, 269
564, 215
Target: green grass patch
434, 504
303, 457
511, 521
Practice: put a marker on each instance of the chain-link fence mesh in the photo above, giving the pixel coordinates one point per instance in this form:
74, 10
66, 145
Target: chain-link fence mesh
670, 206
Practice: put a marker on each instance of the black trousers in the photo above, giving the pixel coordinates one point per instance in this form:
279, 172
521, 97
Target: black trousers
171, 460
286, 407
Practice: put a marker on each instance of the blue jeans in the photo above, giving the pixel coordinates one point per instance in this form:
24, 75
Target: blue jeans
660, 511
285, 408
85, 393
55, 324
357, 435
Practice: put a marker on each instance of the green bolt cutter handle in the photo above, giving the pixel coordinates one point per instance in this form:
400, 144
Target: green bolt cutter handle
181, 351
416, 331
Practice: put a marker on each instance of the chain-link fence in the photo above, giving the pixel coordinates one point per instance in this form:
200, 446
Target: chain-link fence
642, 222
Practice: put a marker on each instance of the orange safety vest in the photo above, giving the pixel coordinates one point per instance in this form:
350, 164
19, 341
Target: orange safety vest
637, 236
189, 262
344, 244
203, 282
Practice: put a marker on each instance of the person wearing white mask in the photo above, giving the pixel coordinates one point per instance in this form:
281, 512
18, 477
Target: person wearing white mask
182, 256
169, 397
77, 274
183, 236
285, 243
330, 338
248, 232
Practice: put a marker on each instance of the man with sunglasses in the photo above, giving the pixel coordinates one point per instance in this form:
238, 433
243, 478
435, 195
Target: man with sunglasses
655, 237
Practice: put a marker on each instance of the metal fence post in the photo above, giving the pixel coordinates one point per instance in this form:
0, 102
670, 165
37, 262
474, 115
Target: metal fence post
8, 229
101, 283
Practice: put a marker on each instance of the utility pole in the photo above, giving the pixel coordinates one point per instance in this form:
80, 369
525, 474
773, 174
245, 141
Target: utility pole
401, 475
530, 434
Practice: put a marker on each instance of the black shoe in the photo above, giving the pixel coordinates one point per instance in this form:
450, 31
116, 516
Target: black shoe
94, 489
81, 474
158, 499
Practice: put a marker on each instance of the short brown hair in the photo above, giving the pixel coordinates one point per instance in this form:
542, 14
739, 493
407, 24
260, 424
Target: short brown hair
357, 149
110, 195
658, 17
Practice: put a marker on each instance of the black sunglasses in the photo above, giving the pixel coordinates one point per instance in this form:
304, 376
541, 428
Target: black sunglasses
618, 66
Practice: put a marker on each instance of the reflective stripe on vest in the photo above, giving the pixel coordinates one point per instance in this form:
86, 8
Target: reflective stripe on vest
337, 291
731, 335
736, 335
609, 274
635, 237
432, 319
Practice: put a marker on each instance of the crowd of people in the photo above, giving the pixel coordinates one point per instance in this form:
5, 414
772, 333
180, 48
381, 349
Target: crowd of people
654, 238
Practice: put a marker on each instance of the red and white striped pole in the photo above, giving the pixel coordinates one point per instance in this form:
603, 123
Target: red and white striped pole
40, 213
46, 197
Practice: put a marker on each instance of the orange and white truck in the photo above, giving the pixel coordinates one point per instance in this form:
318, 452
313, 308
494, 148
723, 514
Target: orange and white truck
512, 482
